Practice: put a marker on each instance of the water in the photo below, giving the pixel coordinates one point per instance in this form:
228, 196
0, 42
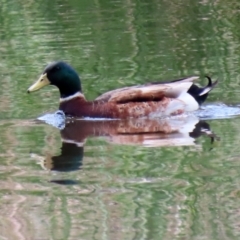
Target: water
92, 180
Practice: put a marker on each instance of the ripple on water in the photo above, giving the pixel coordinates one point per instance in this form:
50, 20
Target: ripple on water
218, 111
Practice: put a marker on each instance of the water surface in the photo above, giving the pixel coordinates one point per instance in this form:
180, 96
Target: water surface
114, 186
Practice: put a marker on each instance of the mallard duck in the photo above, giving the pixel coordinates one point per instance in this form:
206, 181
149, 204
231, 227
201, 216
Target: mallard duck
157, 99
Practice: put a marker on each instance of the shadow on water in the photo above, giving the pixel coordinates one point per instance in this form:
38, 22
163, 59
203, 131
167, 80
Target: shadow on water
180, 131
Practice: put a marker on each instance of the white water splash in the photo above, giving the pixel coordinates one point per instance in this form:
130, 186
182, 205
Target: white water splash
217, 111
56, 119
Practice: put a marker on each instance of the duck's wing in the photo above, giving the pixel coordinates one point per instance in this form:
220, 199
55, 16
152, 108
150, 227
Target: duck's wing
149, 92
186, 79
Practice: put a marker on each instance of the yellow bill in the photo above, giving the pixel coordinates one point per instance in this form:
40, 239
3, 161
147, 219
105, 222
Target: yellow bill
40, 83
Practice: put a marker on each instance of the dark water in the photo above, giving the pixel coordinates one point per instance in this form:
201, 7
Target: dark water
114, 185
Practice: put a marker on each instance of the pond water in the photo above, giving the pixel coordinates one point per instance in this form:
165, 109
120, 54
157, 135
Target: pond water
115, 183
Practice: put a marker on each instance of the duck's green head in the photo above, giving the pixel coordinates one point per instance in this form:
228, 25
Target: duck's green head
61, 75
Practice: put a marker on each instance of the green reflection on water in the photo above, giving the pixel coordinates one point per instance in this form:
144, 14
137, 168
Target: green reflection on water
119, 192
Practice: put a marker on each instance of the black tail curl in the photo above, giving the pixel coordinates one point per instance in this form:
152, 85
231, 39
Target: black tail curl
200, 93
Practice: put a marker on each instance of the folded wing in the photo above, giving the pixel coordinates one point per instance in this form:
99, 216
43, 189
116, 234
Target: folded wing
149, 92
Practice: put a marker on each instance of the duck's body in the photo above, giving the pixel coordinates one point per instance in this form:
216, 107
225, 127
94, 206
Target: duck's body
149, 100
99, 109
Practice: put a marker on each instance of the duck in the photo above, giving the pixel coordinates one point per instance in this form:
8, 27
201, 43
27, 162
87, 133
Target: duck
150, 100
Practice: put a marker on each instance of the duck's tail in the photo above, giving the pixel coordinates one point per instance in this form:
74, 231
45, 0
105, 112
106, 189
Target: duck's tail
200, 94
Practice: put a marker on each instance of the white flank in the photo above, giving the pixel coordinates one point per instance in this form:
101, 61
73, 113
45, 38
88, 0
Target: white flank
77, 94
189, 101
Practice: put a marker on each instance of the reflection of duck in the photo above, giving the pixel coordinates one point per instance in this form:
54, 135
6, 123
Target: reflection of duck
151, 100
145, 132
70, 158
